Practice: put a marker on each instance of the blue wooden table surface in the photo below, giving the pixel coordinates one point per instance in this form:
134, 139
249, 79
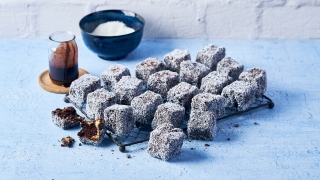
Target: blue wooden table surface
284, 145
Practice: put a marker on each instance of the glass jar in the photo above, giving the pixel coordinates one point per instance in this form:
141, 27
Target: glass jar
63, 58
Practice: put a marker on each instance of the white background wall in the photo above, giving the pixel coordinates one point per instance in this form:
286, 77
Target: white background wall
242, 19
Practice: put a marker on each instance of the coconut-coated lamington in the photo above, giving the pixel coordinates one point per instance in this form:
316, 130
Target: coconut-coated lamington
257, 77
168, 113
209, 102
128, 88
211, 55
161, 82
230, 67
119, 119
147, 67
80, 88
182, 94
165, 142
193, 72
174, 58
66, 117
202, 125
144, 106
112, 75
239, 94
214, 82
92, 132
97, 101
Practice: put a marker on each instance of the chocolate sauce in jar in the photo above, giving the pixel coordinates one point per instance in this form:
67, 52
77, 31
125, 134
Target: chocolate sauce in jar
63, 58
63, 76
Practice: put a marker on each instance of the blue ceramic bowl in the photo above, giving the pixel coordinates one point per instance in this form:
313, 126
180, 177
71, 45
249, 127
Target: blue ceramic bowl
112, 47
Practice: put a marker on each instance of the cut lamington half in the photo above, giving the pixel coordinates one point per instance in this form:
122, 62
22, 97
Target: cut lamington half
92, 132
66, 117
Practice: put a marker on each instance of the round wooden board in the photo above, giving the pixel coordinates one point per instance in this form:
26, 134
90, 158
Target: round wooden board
46, 83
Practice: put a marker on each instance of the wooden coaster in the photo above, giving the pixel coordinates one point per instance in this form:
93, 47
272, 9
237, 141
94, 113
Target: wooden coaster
46, 83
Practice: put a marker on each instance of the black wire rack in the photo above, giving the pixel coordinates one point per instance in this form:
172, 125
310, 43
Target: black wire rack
141, 132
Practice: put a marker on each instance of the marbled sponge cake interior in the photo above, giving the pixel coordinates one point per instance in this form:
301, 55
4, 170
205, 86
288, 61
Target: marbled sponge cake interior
92, 132
66, 117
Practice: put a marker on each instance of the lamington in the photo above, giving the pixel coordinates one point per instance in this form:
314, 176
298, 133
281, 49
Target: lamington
98, 101
92, 132
147, 67
119, 119
230, 67
128, 88
112, 75
214, 82
144, 106
209, 102
161, 82
193, 72
211, 55
257, 77
239, 94
202, 125
80, 88
66, 117
174, 58
165, 142
168, 113
182, 94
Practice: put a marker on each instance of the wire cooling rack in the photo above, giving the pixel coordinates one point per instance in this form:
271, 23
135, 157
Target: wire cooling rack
141, 132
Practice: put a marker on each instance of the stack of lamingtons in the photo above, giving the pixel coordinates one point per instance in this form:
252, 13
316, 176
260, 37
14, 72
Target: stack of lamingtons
161, 93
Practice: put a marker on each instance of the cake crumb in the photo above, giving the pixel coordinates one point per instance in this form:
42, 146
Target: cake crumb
128, 155
207, 145
236, 125
80, 144
228, 139
67, 141
255, 123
